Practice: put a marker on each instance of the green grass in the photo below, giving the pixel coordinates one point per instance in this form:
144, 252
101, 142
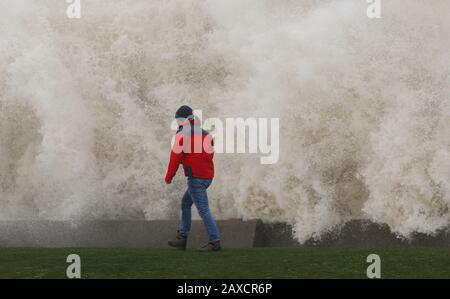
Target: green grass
308, 262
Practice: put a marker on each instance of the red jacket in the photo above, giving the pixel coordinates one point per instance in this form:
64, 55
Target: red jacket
194, 148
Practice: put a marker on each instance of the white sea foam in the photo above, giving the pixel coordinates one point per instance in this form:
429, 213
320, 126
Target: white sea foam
364, 108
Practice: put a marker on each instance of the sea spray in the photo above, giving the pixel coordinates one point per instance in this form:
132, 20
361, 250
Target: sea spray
86, 106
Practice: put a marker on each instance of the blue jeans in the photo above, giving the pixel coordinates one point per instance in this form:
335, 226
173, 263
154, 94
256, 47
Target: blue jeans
196, 194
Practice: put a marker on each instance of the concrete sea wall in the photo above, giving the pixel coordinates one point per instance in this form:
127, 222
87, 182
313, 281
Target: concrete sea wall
235, 234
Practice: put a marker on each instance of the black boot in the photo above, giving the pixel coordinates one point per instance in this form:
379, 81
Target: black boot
179, 242
211, 246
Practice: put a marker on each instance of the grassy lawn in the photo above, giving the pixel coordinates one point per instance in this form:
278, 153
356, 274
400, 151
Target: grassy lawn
308, 262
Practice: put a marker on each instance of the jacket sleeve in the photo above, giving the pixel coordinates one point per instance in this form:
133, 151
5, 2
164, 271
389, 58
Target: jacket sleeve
176, 157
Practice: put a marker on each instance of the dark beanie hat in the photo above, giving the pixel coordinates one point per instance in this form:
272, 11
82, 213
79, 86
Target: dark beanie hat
184, 112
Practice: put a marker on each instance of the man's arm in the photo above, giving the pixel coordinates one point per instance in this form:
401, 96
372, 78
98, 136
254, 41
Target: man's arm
176, 158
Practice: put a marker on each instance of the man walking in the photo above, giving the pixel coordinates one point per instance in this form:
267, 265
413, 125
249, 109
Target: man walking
193, 148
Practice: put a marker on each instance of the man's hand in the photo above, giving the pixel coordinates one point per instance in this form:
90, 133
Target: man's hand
169, 182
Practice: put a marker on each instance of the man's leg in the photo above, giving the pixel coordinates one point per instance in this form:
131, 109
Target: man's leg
180, 241
186, 215
197, 190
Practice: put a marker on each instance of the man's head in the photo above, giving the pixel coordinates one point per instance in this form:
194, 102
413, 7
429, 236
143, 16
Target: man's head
183, 113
